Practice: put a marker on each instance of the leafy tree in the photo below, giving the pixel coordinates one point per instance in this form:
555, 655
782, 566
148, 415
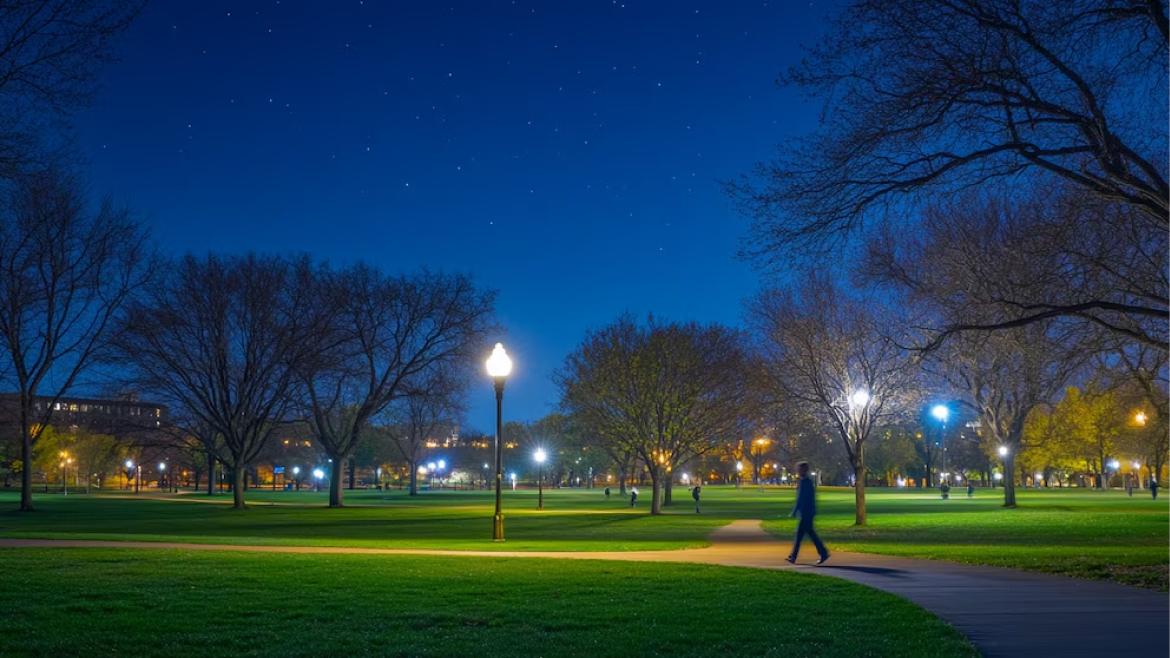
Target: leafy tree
666, 392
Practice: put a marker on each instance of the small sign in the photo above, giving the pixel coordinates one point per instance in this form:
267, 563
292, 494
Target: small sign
277, 470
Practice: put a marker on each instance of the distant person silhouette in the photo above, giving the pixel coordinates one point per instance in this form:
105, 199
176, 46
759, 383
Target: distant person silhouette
695, 495
607, 493
970, 489
1154, 488
633, 496
806, 509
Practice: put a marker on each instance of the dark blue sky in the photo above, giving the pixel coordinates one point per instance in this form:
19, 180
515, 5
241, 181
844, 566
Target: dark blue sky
568, 155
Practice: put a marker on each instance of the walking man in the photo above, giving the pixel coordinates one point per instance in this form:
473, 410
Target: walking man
695, 495
806, 509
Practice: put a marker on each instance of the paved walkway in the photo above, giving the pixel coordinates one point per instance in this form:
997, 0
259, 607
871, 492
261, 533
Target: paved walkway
1004, 612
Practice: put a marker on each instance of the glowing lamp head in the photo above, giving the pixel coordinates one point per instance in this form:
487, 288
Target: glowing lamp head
1137, 465
739, 466
999, 476
859, 398
940, 412
129, 464
499, 364
442, 464
540, 455
1114, 464
296, 470
318, 473
1140, 418
162, 466
1003, 451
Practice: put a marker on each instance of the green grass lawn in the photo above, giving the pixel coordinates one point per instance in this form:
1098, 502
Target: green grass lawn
1081, 533
169, 602
1087, 534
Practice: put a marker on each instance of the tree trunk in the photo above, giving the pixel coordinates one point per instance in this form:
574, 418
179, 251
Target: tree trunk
1009, 481
352, 471
239, 472
667, 490
336, 474
413, 477
26, 504
210, 473
655, 492
622, 481
859, 493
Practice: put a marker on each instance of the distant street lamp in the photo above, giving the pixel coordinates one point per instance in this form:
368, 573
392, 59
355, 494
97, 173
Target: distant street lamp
738, 474
317, 475
941, 413
66, 460
499, 366
539, 456
297, 477
1140, 418
162, 468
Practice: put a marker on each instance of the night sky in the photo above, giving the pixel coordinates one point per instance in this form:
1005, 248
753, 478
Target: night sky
569, 155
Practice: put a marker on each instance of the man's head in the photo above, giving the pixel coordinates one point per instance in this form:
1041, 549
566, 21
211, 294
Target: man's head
802, 469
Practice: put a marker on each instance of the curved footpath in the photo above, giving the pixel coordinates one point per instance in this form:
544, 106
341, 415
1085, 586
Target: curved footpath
1004, 612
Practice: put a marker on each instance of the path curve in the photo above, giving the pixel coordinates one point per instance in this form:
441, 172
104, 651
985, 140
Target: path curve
1004, 612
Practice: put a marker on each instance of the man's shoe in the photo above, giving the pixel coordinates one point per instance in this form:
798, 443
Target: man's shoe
824, 558
790, 559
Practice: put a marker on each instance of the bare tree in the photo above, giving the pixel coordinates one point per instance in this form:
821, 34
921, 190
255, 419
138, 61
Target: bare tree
427, 410
1005, 376
924, 97
50, 52
65, 277
666, 392
834, 357
387, 335
220, 337
1009, 263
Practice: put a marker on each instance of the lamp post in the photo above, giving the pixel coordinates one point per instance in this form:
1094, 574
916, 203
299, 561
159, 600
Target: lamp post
499, 366
65, 461
539, 456
738, 474
941, 413
162, 469
297, 478
317, 475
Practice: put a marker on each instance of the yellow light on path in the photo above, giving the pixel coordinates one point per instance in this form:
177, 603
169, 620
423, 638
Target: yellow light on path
499, 364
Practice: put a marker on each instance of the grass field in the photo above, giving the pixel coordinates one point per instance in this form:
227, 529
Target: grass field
169, 602
1081, 533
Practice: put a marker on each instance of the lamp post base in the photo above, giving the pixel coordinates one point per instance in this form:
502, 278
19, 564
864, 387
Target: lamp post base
498, 527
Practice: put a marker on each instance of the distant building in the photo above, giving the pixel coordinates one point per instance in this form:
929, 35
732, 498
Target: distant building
113, 416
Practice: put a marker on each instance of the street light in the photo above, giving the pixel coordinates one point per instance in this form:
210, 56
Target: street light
317, 475
162, 467
860, 398
941, 413
297, 477
1140, 418
1003, 451
499, 366
539, 456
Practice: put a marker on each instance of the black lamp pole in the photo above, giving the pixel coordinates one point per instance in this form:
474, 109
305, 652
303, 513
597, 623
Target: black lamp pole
498, 519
